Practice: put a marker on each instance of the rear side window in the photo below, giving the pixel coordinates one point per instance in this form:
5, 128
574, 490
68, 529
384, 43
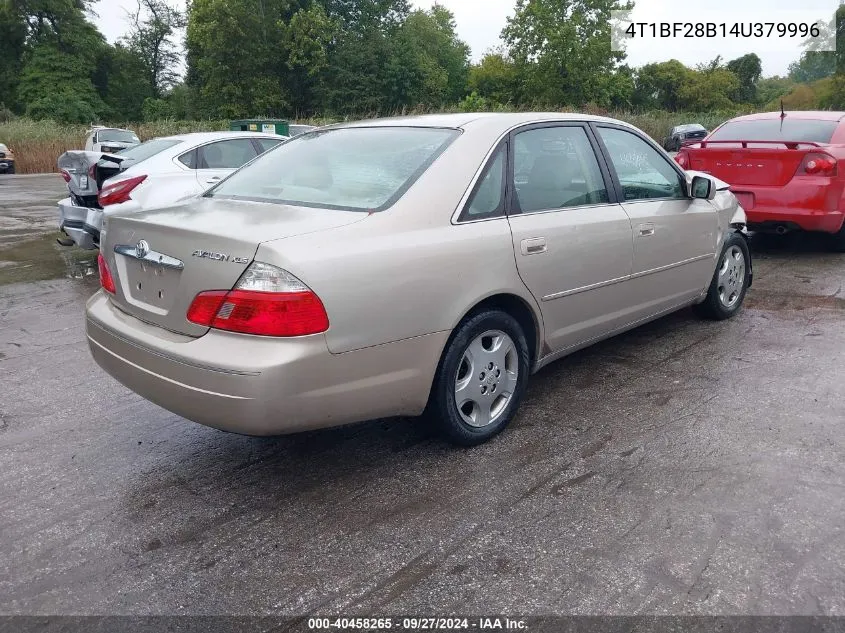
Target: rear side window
355, 169
268, 143
809, 130
556, 168
226, 154
487, 201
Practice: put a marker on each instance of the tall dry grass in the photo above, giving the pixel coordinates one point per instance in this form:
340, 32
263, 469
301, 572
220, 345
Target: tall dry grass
38, 144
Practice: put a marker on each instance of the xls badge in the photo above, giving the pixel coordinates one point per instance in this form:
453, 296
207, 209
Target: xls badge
220, 257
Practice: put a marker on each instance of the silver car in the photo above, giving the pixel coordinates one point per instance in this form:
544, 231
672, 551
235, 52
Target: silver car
409, 266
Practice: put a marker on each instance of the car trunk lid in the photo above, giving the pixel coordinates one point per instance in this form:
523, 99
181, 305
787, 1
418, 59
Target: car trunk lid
757, 163
162, 259
85, 173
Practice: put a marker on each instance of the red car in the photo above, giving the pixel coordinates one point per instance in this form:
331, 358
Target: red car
783, 167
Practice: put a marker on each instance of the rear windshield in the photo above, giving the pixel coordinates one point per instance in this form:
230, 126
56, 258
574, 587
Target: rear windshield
808, 130
148, 150
119, 136
355, 169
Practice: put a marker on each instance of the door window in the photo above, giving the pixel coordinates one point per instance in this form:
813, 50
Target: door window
268, 143
555, 168
643, 172
487, 201
226, 154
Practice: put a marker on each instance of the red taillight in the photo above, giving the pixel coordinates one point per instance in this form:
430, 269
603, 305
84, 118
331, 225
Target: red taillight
106, 280
267, 301
682, 158
262, 313
65, 176
119, 191
818, 164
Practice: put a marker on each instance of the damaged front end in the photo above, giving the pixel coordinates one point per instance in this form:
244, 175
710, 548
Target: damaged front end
81, 215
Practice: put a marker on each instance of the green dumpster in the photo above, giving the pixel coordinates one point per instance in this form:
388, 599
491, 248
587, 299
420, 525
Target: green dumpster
268, 126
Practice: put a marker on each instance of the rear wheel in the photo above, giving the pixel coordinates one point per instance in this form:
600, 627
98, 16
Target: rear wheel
730, 281
481, 378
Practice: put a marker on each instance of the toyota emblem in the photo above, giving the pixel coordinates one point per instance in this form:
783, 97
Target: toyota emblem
141, 249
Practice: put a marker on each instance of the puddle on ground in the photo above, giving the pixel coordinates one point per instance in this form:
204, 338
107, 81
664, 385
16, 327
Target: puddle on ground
41, 259
778, 302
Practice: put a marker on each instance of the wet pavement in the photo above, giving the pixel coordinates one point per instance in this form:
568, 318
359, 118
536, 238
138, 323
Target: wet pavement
687, 467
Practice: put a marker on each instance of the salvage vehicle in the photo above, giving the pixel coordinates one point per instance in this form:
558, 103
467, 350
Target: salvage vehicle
110, 140
7, 160
407, 266
681, 135
160, 171
783, 167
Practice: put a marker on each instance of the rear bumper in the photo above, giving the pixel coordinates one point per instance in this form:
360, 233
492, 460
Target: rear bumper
808, 203
806, 219
81, 224
259, 385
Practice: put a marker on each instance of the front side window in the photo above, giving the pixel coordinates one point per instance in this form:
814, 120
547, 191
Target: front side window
643, 172
487, 201
356, 169
555, 168
226, 154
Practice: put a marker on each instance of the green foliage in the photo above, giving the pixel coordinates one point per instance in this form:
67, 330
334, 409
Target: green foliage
657, 85
151, 40
13, 33
562, 50
748, 69
771, 89
66, 105
494, 78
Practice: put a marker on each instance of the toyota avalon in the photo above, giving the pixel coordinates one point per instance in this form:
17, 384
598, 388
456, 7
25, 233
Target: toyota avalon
408, 266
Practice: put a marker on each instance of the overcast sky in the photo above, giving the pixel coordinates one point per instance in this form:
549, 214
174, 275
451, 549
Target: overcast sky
480, 23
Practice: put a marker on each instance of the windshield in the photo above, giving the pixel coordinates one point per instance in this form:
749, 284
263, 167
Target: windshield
808, 130
149, 149
118, 136
357, 169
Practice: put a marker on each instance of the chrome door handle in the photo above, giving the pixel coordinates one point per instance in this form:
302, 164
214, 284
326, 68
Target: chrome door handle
533, 246
214, 179
646, 230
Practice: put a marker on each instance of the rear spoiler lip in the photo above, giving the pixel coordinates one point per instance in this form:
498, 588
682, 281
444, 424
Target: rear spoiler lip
789, 144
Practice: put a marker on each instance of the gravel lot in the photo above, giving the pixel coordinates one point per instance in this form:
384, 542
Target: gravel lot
686, 467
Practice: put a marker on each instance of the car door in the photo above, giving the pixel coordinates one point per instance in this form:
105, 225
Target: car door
675, 236
217, 160
571, 239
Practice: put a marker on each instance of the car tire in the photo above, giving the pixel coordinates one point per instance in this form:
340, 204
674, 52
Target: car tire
730, 281
481, 378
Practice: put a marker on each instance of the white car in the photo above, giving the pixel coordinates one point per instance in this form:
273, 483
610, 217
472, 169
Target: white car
110, 140
156, 173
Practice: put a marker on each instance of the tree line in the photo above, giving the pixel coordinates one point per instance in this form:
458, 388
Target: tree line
302, 58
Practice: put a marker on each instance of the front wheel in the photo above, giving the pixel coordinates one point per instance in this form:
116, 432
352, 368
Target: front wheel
730, 281
481, 378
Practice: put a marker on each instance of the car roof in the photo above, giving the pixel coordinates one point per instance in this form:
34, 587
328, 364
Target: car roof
465, 120
816, 115
201, 137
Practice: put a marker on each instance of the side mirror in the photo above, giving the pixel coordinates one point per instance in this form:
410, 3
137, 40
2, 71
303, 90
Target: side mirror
702, 188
